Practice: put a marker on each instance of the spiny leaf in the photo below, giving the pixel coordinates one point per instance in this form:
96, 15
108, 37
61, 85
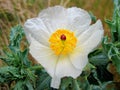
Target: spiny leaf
16, 36
19, 85
29, 85
44, 83
98, 59
65, 84
76, 85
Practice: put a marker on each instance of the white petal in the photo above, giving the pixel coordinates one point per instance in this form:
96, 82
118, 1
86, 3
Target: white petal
36, 28
79, 58
55, 83
56, 16
44, 56
52, 12
79, 20
65, 68
91, 38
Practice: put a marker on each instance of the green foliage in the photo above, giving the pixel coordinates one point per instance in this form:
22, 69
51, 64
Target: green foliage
18, 67
16, 36
112, 46
8, 73
99, 75
98, 57
66, 83
113, 52
43, 80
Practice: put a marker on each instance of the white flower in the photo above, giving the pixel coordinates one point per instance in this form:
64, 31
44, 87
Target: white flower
61, 39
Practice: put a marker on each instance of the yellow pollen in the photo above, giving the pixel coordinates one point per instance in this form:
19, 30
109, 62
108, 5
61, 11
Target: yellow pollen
62, 42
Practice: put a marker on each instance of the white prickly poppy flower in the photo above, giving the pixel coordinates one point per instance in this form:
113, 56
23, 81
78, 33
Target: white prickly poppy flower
61, 39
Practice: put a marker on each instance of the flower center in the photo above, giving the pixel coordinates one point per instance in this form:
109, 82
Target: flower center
62, 42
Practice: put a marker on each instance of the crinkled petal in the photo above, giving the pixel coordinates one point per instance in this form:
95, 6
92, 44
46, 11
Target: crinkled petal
44, 56
87, 42
52, 13
55, 15
75, 19
79, 19
79, 58
91, 38
36, 28
65, 68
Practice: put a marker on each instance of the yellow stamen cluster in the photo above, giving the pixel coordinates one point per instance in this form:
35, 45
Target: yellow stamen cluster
62, 41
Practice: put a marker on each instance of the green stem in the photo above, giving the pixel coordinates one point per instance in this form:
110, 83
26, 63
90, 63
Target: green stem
117, 44
35, 67
76, 85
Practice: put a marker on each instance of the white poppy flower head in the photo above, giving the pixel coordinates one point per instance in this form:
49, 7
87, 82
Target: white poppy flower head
61, 39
